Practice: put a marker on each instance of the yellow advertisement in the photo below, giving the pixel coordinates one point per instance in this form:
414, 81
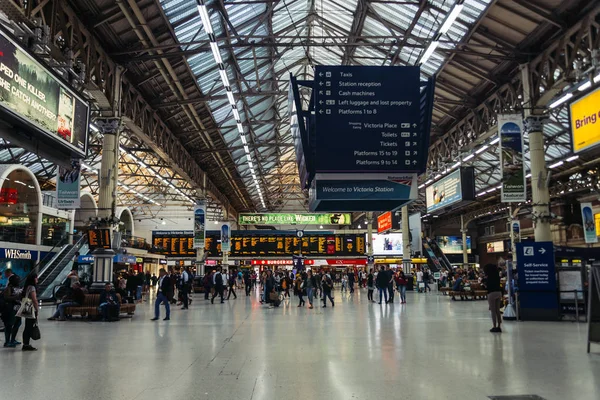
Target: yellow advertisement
585, 121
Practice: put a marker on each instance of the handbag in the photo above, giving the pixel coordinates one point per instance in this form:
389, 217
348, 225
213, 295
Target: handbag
35, 332
26, 310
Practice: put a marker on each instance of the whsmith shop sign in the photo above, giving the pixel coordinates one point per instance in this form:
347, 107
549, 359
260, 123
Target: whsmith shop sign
295, 219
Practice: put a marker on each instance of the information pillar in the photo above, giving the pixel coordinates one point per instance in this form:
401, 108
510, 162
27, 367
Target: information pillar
107, 204
370, 259
465, 250
540, 196
406, 258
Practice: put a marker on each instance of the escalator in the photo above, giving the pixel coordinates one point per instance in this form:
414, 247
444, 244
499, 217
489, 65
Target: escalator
435, 255
55, 271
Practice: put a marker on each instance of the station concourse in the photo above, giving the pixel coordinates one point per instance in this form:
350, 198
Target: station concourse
258, 199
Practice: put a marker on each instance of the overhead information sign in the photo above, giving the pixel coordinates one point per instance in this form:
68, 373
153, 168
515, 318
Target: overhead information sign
99, 238
295, 218
33, 94
367, 119
585, 121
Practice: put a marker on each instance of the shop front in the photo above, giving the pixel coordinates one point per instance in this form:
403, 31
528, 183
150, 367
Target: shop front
153, 264
124, 262
21, 262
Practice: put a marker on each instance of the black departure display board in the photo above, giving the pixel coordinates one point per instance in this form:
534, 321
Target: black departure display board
258, 244
174, 243
99, 238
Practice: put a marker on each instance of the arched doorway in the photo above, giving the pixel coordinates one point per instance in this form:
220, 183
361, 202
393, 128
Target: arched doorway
86, 212
20, 205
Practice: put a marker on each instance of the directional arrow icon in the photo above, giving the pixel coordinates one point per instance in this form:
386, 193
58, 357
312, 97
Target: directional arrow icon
320, 92
542, 250
414, 125
320, 101
320, 111
320, 74
321, 83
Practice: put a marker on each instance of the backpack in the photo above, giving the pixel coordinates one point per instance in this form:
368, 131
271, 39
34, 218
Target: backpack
219, 279
328, 283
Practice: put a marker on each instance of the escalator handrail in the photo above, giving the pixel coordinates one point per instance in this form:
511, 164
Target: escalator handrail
59, 243
60, 254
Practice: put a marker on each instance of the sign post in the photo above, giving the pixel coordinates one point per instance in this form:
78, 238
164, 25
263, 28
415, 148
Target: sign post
538, 297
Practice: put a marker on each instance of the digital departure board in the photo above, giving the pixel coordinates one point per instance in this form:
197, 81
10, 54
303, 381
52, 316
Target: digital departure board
174, 243
251, 244
99, 238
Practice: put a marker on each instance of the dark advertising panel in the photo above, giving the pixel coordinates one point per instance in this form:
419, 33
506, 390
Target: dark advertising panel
31, 94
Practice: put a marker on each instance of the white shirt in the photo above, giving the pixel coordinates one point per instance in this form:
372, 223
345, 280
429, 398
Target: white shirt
419, 276
160, 280
184, 276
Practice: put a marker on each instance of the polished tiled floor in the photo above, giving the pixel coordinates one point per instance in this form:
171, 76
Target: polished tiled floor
431, 348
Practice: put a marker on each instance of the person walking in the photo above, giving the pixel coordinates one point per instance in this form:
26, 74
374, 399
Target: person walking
494, 289
402, 282
163, 296
30, 292
344, 283
426, 280
219, 286
382, 284
12, 302
419, 280
311, 284
300, 286
247, 278
186, 281
327, 287
370, 285
390, 284
232, 283
351, 279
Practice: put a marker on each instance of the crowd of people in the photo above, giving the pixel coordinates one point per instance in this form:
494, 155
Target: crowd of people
19, 304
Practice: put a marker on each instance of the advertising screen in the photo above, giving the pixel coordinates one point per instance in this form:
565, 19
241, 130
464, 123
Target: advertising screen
585, 121
453, 244
444, 192
387, 245
384, 222
495, 247
34, 95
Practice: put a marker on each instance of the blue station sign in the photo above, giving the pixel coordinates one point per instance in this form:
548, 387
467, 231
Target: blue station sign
538, 296
368, 119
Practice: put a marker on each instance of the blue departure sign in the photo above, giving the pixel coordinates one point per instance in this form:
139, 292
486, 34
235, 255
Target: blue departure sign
367, 119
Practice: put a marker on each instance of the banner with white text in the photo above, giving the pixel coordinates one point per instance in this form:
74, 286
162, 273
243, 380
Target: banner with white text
510, 132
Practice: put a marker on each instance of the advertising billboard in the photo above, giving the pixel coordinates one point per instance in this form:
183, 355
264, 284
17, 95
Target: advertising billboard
32, 94
387, 244
444, 192
199, 224
453, 244
589, 224
585, 121
68, 185
384, 222
495, 247
510, 132
295, 219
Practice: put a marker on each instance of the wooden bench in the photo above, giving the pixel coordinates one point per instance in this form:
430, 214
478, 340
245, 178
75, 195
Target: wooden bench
90, 307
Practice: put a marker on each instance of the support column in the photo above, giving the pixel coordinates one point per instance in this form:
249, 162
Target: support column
540, 196
107, 204
465, 253
406, 258
200, 262
371, 261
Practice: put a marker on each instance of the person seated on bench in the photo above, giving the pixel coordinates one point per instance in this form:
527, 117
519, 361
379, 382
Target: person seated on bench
458, 286
75, 299
109, 302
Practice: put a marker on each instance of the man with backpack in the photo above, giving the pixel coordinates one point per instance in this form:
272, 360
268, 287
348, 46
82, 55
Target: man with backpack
327, 287
207, 283
219, 286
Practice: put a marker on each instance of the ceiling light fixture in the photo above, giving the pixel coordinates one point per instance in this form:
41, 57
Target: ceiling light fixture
451, 18
495, 141
561, 100
556, 164
467, 158
482, 149
432, 46
572, 158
